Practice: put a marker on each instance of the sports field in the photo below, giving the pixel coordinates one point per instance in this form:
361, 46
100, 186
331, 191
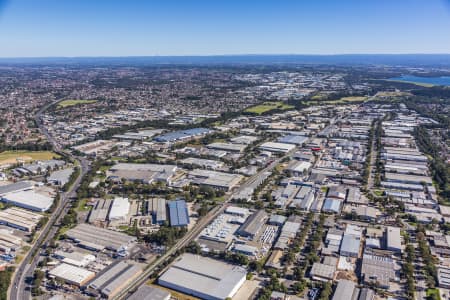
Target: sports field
267, 106
67, 103
12, 157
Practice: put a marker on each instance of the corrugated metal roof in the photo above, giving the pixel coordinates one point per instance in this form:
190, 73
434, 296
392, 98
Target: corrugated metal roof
181, 134
15, 187
178, 213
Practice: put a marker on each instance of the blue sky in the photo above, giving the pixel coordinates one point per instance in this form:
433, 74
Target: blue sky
35, 28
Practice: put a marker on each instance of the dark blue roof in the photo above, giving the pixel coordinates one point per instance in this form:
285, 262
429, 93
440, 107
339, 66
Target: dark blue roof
178, 213
181, 134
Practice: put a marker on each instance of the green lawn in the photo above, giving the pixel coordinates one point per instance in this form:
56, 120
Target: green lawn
354, 98
82, 205
433, 294
267, 106
378, 193
11, 157
349, 99
68, 103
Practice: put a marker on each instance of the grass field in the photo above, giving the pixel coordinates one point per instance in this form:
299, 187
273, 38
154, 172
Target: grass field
431, 292
343, 100
12, 157
353, 98
410, 82
267, 106
68, 103
346, 100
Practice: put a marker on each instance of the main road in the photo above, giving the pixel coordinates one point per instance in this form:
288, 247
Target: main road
26, 267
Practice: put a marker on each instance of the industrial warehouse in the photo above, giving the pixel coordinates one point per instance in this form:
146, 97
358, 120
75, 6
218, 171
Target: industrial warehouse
217, 180
183, 135
25, 195
99, 239
110, 282
146, 173
72, 274
204, 277
19, 218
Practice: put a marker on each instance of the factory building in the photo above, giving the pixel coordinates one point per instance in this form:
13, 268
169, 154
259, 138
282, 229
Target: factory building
346, 289
71, 274
393, 239
42, 166
182, 135
60, 177
443, 274
324, 271
237, 211
119, 209
98, 239
204, 163
244, 139
29, 199
146, 173
332, 205
19, 218
276, 147
351, 241
9, 242
378, 269
287, 234
111, 281
178, 213
293, 139
221, 230
253, 225
204, 278
157, 208
16, 187
99, 213
218, 180
229, 147
75, 258
408, 179
298, 168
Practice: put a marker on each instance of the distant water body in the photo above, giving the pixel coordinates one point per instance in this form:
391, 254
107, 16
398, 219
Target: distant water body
443, 80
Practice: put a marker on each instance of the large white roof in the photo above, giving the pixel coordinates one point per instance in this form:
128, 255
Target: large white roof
30, 198
72, 273
119, 208
204, 277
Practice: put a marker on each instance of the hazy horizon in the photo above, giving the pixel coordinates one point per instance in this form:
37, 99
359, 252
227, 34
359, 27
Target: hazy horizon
83, 28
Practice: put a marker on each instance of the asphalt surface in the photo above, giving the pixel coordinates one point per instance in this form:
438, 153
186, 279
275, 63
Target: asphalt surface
20, 288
